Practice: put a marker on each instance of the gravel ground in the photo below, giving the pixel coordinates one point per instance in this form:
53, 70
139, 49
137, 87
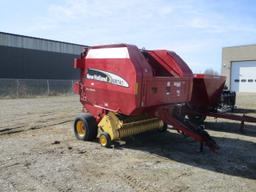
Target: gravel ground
38, 152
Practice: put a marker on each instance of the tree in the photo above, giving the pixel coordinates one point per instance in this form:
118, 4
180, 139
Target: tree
211, 72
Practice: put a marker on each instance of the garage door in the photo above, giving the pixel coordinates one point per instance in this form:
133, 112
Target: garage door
243, 76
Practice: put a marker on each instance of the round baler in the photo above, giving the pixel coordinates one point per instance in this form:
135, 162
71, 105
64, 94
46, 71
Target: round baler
125, 91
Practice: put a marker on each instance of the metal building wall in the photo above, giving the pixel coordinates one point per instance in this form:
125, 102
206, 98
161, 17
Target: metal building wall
235, 53
24, 57
19, 41
19, 63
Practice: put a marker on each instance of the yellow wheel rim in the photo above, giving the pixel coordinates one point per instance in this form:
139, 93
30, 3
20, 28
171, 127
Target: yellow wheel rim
103, 140
80, 129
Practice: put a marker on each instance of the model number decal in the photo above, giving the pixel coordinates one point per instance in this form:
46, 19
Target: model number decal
105, 76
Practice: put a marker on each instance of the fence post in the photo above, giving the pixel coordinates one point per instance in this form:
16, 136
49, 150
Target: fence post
48, 87
17, 87
71, 91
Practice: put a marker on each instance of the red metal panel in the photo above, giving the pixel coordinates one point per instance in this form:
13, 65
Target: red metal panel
171, 62
108, 95
206, 91
163, 90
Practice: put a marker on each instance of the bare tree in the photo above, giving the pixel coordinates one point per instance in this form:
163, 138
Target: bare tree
211, 72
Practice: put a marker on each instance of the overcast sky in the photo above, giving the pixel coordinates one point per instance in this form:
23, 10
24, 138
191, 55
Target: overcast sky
195, 29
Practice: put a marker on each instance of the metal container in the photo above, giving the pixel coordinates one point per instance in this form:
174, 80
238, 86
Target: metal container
206, 91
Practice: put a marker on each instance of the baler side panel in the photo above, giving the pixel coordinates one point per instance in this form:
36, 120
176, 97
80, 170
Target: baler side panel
167, 90
120, 99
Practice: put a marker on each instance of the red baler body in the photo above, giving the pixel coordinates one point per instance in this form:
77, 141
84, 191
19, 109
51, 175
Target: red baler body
123, 79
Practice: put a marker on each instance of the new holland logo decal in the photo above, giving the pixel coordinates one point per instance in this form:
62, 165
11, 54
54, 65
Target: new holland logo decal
105, 76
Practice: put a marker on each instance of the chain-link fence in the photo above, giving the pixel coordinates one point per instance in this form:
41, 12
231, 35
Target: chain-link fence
35, 87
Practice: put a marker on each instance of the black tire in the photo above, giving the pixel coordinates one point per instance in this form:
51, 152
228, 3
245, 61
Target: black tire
106, 138
88, 123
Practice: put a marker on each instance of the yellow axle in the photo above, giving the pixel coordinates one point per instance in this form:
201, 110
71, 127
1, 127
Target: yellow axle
119, 127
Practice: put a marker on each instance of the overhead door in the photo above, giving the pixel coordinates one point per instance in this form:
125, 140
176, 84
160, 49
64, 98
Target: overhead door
243, 76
